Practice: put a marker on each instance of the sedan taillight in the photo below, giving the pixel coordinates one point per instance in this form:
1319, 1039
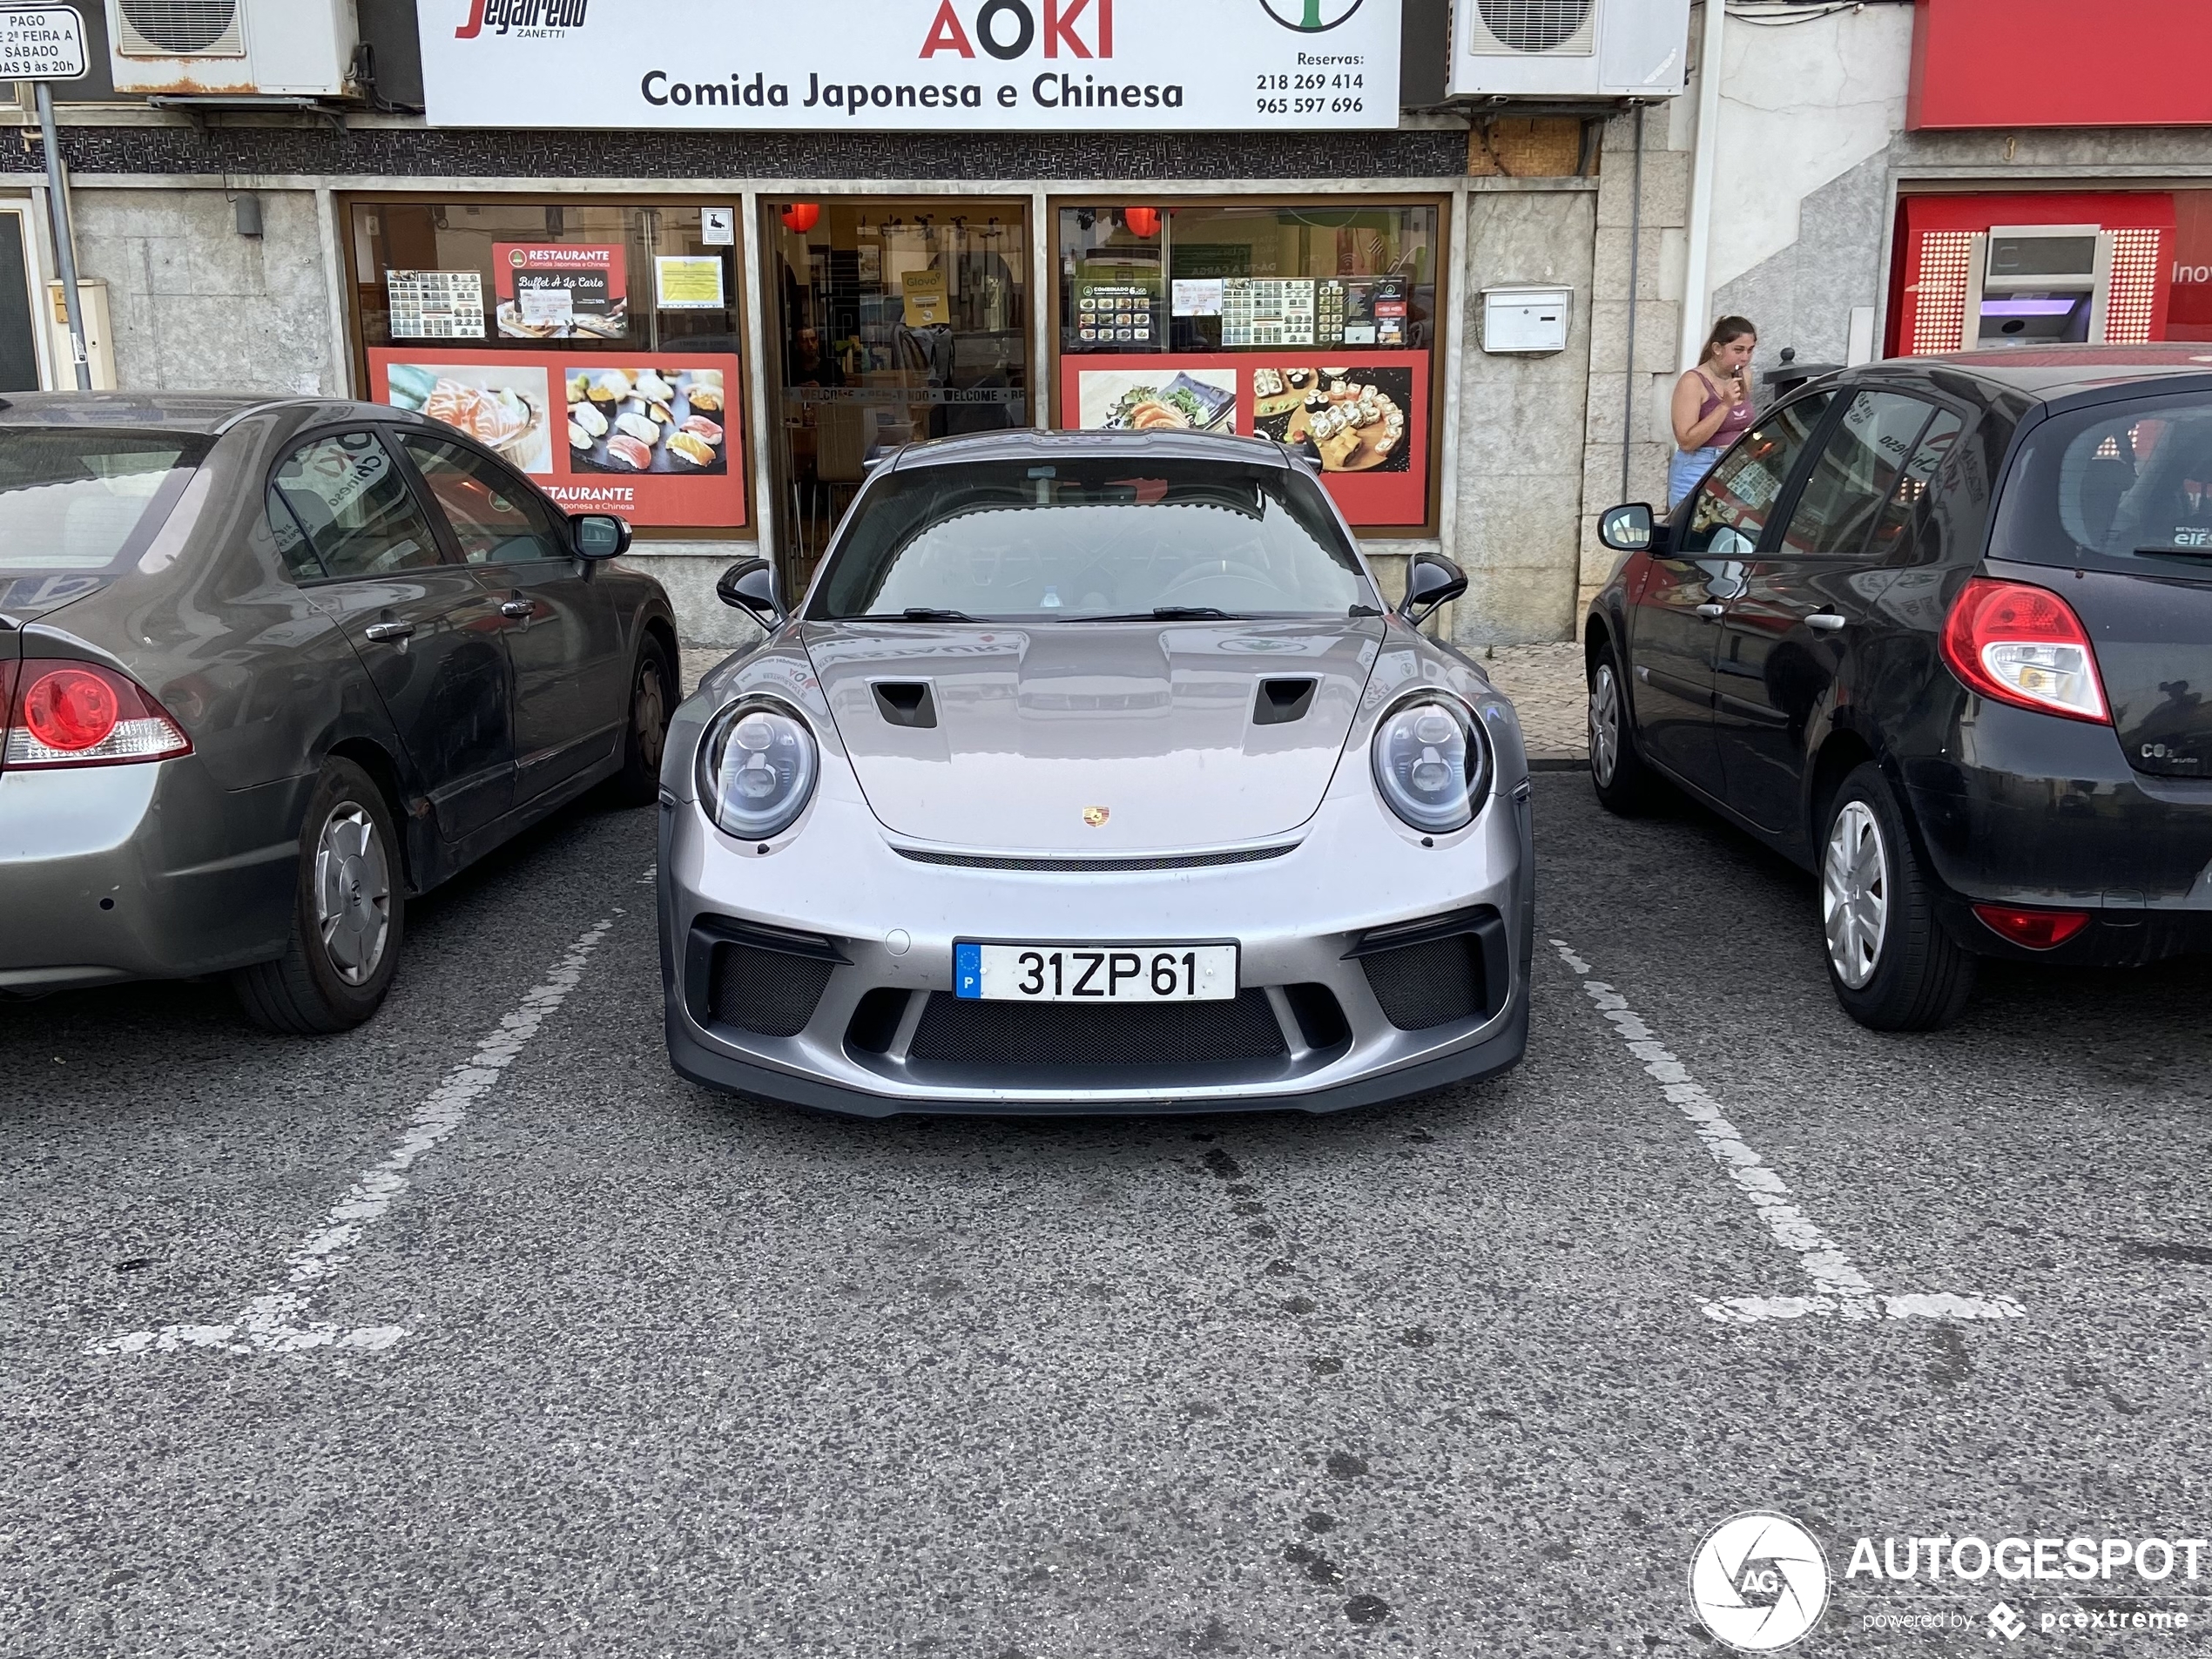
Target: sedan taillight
2024, 646
60, 713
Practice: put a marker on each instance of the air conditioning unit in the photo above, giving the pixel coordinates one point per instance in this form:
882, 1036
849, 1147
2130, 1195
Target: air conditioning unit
232, 48
1569, 49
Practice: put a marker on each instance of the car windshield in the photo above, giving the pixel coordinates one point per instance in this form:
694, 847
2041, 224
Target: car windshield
2121, 487
82, 501
1091, 538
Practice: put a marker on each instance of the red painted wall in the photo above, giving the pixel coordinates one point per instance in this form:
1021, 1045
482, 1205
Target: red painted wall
2061, 64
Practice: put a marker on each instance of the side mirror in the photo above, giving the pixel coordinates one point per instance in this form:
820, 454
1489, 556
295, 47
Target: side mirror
1433, 580
1628, 530
600, 535
750, 585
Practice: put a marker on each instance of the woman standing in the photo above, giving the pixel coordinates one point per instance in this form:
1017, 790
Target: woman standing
1712, 406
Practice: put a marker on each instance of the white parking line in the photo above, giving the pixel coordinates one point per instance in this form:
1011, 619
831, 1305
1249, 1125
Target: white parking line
1839, 1289
273, 1323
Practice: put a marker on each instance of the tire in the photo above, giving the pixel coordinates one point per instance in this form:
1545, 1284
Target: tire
349, 912
652, 701
1892, 965
1624, 783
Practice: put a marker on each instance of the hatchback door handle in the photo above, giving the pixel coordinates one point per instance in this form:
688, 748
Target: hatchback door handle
387, 631
1827, 621
516, 608
1712, 612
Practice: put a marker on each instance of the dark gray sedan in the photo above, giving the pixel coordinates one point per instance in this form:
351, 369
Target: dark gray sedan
269, 667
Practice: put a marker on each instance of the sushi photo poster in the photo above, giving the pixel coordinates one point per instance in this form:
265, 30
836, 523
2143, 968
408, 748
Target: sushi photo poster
1362, 417
656, 439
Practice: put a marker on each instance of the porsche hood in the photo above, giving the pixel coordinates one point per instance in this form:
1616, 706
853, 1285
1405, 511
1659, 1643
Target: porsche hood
1110, 739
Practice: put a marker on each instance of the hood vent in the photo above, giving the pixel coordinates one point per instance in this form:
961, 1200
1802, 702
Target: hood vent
1280, 702
907, 702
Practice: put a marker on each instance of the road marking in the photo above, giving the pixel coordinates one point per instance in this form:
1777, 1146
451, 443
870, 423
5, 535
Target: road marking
1839, 1289
273, 1323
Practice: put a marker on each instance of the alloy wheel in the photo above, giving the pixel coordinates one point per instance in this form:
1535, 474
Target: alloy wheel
353, 893
1855, 894
649, 716
1605, 725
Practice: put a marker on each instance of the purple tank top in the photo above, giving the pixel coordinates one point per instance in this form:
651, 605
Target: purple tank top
1739, 418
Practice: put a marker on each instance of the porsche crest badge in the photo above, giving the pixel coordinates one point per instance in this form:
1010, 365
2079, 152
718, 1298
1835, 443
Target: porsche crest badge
1094, 816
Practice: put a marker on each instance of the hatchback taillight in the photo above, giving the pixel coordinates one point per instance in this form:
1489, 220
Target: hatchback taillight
59, 713
2024, 646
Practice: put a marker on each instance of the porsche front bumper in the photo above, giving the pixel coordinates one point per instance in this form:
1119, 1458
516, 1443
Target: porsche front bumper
1371, 968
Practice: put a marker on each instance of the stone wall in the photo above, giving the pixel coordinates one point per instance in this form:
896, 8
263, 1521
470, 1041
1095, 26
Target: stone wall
1521, 421
197, 306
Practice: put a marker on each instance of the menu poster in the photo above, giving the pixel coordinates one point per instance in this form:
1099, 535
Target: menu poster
434, 305
656, 440
1361, 417
1116, 314
1374, 311
561, 291
1267, 311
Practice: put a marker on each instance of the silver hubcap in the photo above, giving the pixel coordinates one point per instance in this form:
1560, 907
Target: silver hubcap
1605, 723
353, 893
649, 714
1855, 894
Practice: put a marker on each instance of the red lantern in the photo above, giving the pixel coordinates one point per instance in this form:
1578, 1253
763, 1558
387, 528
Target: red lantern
1142, 222
801, 216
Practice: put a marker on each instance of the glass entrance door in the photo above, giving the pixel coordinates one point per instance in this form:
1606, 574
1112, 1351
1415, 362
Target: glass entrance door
890, 321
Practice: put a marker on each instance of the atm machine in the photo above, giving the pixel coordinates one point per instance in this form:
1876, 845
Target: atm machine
2038, 284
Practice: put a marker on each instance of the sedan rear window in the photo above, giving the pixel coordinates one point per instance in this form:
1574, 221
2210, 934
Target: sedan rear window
86, 501
2124, 486
1091, 538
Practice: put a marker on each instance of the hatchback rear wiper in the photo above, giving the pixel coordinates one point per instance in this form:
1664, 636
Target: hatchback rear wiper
2174, 552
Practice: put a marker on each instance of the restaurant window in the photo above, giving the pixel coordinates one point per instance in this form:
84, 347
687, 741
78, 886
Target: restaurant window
1315, 325
595, 345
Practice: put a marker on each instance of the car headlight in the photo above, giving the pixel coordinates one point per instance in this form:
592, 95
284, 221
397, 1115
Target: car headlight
757, 770
1431, 763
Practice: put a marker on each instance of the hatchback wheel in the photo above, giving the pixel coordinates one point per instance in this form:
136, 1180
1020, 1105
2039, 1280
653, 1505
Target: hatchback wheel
1893, 966
645, 737
1623, 783
348, 912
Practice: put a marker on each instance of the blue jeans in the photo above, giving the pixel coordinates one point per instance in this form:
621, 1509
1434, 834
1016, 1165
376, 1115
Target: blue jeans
1686, 471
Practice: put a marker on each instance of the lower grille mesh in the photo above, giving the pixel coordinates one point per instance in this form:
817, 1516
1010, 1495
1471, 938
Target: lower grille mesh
765, 992
1421, 987
954, 1031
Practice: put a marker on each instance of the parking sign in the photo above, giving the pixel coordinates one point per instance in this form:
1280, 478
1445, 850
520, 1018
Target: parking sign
41, 44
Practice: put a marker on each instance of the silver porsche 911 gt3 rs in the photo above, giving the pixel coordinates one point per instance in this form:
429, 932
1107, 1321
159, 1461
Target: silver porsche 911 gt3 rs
1093, 775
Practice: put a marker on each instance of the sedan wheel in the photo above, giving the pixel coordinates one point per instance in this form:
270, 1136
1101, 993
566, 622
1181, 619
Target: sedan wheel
349, 910
353, 893
1605, 725
1855, 894
645, 739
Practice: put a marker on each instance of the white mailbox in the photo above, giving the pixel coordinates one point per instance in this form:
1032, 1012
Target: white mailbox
1526, 319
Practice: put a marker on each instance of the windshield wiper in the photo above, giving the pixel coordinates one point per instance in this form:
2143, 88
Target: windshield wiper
926, 613
1161, 613
1365, 611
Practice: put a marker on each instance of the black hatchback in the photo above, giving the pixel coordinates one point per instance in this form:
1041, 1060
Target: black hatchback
1940, 629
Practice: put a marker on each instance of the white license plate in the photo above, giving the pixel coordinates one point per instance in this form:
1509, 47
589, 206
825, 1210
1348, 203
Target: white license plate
1095, 973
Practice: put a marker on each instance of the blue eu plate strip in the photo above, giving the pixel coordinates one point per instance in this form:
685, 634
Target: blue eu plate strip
967, 970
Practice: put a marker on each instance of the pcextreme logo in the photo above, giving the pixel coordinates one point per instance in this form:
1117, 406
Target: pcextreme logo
1312, 17
522, 17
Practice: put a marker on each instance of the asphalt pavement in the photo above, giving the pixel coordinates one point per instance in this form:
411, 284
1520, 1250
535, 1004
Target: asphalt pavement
477, 1331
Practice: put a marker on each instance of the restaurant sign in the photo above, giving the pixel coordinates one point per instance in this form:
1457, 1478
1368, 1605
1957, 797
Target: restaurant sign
913, 66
